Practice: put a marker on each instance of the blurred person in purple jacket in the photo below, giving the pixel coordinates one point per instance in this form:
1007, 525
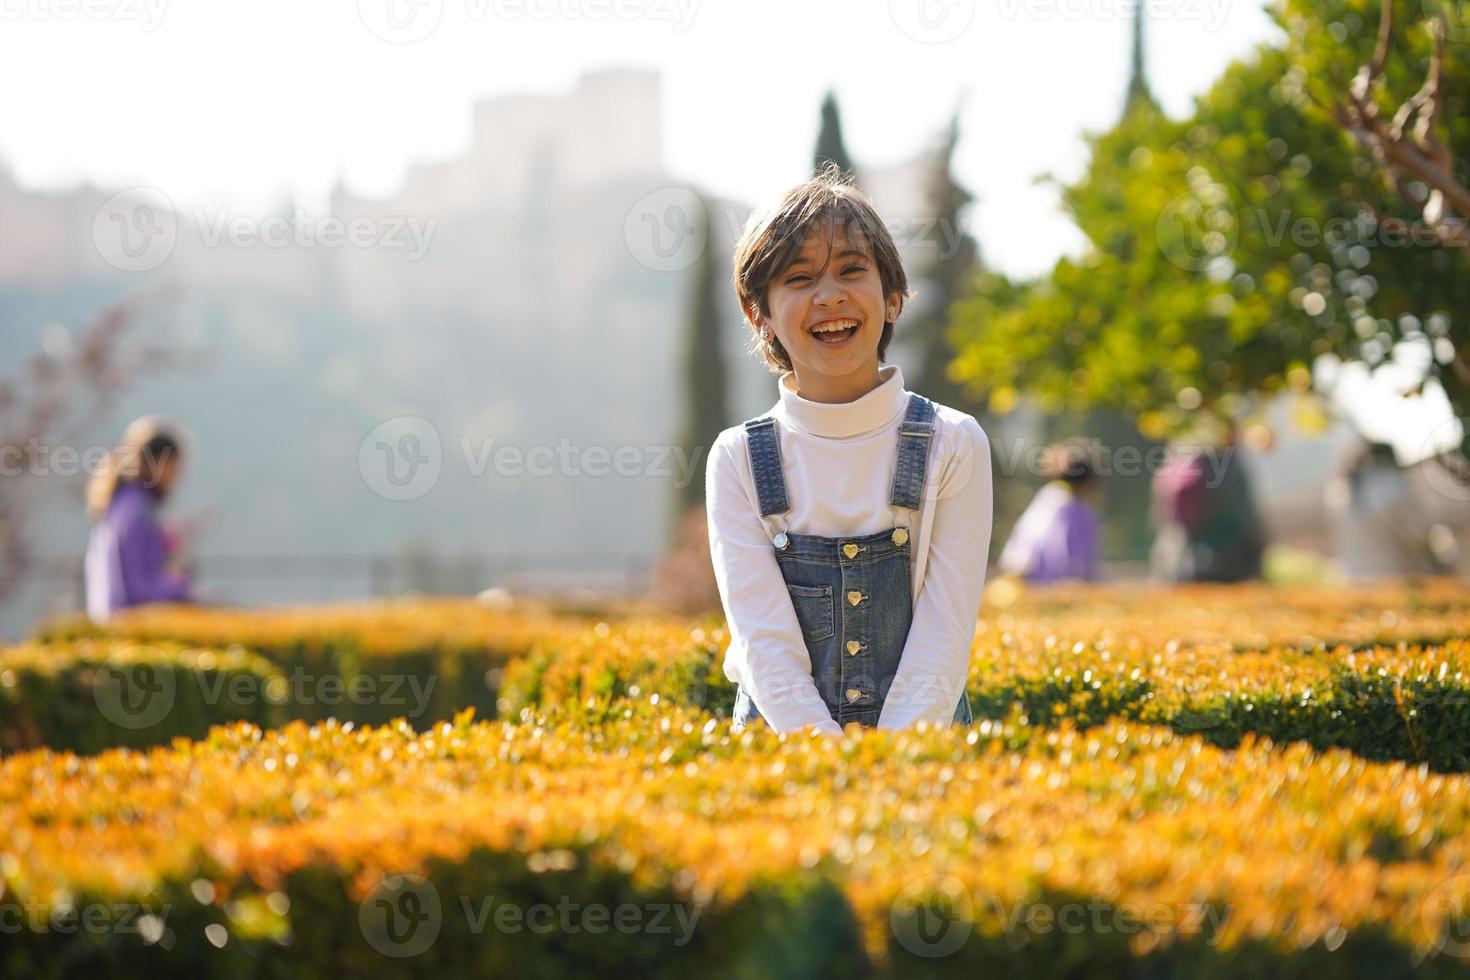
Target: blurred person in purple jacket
1056, 536
128, 554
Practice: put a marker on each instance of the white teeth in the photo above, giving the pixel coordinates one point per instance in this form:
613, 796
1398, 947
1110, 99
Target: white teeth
832, 325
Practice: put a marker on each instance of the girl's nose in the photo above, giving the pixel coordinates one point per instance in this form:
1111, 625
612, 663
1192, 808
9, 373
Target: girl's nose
829, 292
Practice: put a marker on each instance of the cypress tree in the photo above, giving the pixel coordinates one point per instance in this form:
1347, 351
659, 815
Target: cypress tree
830, 148
946, 266
1138, 90
705, 378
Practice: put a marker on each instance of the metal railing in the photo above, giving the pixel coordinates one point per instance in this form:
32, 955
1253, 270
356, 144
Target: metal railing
325, 577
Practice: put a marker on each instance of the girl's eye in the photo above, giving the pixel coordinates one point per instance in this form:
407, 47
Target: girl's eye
850, 269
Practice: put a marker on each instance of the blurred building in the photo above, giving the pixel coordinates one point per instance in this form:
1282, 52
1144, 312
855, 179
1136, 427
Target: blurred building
525, 318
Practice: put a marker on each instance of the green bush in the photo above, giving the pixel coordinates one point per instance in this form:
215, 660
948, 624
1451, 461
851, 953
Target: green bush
91, 695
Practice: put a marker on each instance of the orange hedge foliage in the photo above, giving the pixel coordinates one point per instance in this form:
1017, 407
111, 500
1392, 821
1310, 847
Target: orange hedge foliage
1002, 850
455, 649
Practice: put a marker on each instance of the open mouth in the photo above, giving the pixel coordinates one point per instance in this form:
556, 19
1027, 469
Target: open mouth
834, 333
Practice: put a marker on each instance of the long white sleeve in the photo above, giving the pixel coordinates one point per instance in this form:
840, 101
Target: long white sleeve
936, 657
767, 655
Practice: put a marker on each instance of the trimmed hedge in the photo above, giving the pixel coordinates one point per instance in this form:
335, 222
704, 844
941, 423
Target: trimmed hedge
1172, 657
1402, 703
1003, 850
1399, 702
92, 695
593, 674
420, 658
310, 676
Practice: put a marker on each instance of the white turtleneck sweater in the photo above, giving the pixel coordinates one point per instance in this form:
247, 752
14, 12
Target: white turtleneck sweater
838, 462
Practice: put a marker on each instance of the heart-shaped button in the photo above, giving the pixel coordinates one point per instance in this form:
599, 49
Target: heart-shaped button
854, 597
853, 646
853, 694
850, 550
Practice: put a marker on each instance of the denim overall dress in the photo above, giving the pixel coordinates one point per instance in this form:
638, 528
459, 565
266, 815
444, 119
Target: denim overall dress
853, 596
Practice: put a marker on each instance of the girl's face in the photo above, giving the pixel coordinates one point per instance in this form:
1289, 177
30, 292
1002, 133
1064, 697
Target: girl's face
828, 310
163, 476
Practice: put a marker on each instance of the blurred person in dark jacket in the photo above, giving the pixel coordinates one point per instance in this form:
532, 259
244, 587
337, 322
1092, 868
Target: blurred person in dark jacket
1208, 528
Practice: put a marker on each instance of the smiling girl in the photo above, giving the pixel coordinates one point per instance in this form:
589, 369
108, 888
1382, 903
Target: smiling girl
849, 526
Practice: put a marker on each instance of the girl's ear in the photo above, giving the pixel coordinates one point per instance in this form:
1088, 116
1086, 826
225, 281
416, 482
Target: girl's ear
752, 314
895, 303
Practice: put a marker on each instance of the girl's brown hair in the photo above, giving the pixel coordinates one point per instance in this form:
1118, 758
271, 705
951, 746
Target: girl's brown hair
773, 239
147, 445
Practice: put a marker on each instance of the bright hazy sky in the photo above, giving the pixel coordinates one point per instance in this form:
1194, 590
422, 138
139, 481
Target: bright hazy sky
237, 101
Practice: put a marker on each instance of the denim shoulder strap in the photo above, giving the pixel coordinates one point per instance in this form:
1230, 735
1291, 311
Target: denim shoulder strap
764, 448
914, 435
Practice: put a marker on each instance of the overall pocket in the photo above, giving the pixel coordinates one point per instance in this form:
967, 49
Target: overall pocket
813, 605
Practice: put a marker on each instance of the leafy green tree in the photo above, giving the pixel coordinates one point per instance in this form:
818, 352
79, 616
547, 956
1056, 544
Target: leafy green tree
1225, 252
1393, 75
